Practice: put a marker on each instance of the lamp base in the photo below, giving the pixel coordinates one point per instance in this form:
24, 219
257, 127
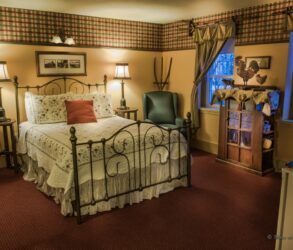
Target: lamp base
123, 104
2, 115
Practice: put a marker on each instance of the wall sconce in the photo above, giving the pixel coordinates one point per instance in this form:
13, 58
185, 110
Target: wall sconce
122, 73
62, 39
4, 77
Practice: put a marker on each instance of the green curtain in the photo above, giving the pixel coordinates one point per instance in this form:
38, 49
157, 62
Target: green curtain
289, 21
209, 42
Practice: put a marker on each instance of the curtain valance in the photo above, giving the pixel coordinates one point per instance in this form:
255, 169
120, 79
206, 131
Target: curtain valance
221, 31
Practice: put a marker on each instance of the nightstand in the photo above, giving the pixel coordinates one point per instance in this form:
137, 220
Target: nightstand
125, 113
10, 154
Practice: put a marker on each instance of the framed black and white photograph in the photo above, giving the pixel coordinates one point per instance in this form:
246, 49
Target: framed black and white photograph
264, 62
60, 63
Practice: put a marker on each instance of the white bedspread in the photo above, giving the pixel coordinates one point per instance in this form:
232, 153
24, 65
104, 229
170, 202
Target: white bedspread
49, 145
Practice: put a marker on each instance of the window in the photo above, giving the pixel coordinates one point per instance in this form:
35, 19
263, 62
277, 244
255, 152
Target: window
288, 100
222, 68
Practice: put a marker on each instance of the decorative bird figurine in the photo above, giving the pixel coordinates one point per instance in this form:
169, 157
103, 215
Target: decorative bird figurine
261, 79
244, 73
228, 82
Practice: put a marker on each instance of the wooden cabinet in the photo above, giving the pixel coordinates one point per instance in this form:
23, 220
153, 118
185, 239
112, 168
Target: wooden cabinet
245, 135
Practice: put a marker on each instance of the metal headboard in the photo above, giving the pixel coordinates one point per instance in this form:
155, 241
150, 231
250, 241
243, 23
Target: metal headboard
62, 84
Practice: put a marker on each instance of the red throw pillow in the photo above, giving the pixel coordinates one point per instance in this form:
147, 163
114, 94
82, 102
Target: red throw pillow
80, 111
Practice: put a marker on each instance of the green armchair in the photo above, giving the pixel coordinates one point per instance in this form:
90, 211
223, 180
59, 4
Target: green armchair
161, 107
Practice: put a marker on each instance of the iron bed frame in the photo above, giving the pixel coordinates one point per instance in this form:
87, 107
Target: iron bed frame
139, 180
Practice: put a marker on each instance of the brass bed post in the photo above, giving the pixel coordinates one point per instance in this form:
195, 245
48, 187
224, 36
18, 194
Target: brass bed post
15, 81
188, 137
73, 140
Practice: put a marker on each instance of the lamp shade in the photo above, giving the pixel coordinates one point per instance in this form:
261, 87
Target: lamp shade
122, 71
4, 77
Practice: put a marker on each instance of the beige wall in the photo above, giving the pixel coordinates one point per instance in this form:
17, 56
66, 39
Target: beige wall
207, 136
21, 62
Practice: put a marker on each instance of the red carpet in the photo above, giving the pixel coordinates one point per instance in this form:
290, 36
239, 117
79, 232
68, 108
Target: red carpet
226, 208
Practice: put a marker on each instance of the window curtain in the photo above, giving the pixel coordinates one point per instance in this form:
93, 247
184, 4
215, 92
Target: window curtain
209, 41
289, 21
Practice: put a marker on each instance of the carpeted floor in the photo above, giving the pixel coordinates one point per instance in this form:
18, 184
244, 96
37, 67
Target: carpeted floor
226, 208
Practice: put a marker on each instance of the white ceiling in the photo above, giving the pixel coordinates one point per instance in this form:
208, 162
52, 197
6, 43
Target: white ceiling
155, 11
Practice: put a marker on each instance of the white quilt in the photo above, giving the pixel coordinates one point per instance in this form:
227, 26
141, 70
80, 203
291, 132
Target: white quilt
49, 145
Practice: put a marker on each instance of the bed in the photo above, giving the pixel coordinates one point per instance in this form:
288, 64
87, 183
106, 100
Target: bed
94, 167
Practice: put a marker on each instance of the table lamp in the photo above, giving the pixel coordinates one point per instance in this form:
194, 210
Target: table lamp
4, 77
122, 73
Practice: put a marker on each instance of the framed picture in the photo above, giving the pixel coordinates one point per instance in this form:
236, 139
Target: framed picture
264, 62
60, 63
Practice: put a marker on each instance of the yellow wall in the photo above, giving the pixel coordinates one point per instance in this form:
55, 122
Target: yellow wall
21, 62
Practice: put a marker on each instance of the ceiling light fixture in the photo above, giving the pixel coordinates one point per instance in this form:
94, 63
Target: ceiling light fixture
60, 38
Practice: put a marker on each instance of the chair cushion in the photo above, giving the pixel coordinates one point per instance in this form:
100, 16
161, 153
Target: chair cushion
80, 111
160, 107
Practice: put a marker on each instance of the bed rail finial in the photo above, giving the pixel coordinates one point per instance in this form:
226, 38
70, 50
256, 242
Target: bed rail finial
73, 137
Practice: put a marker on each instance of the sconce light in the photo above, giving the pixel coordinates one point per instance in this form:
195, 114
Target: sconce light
62, 39
4, 77
122, 73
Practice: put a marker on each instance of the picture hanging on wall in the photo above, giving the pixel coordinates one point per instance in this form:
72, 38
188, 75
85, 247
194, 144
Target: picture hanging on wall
264, 62
60, 63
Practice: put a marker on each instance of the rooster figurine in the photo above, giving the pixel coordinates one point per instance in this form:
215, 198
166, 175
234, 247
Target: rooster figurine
244, 73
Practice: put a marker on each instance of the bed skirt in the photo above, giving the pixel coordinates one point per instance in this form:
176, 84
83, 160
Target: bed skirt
36, 174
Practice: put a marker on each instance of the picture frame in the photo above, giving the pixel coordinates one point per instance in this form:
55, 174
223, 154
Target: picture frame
50, 63
264, 62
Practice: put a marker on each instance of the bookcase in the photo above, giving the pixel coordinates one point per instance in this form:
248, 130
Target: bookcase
246, 137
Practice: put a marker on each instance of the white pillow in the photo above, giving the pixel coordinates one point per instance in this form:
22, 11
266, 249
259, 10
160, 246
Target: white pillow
43, 109
102, 103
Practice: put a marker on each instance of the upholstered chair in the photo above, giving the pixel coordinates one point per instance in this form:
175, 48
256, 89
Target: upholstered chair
161, 107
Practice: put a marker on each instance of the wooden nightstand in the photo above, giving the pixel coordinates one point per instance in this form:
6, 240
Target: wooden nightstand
10, 154
125, 113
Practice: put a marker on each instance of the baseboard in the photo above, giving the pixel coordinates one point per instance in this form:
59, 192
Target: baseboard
210, 147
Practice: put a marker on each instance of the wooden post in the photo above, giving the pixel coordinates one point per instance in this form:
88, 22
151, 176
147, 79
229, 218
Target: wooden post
15, 81
188, 137
73, 140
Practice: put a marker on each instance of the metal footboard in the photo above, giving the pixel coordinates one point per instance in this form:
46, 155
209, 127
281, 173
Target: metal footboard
135, 152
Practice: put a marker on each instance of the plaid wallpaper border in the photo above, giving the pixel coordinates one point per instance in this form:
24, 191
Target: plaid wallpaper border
38, 27
255, 25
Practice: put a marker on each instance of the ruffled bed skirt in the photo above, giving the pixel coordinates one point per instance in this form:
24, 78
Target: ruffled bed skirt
119, 183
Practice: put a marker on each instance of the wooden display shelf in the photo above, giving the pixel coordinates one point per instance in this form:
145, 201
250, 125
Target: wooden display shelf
240, 129
268, 133
252, 158
267, 150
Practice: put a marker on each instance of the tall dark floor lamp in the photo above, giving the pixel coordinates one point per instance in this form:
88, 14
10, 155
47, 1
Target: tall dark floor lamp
122, 73
4, 77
